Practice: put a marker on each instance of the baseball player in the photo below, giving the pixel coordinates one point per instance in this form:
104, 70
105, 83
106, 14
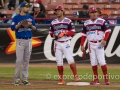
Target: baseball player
97, 31
61, 30
23, 24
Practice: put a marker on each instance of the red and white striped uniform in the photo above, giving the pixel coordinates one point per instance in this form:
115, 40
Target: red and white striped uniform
64, 25
95, 30
62, 44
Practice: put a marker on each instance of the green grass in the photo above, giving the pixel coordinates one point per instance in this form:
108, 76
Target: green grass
51, 74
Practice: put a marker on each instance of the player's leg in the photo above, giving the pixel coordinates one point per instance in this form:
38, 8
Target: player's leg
27, 54
68, 54
93, 59
59, 60
102, 62
19, 60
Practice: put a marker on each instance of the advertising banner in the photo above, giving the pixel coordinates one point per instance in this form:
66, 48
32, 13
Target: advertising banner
42, 45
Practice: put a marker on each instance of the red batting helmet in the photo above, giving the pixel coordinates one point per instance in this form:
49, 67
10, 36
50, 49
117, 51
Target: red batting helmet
92, 9
59, 7
37, 1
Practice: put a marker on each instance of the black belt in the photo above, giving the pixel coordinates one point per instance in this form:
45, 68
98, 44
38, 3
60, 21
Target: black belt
63, 41
24, 38
96, 41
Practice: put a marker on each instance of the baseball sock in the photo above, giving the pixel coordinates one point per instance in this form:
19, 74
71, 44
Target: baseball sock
104, 69
73, 68
95, 71
60, 71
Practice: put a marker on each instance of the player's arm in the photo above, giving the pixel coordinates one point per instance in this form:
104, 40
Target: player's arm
51, 31
33, 25
107, 31
83, 38
71, 29
18, 25
14, 24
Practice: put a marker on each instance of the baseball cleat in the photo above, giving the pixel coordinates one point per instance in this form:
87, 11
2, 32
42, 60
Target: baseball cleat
25, 82
16, 82
107, 82
61, 82
95, 82
76, 79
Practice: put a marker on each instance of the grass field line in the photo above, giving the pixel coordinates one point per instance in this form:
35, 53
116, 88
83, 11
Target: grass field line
53, 65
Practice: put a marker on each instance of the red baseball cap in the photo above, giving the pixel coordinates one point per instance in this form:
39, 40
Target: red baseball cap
92, 9
59, 7
37, 1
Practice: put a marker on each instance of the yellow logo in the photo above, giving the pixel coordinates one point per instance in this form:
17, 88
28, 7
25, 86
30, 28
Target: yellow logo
12, 46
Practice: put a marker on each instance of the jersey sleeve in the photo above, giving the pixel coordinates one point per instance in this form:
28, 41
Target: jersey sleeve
13, 24
83, 30
71, 27
33, 22
83, 38
107, 30
51, 30
106, 27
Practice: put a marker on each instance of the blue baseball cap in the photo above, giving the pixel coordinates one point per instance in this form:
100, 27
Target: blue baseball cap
75, 13
24, 4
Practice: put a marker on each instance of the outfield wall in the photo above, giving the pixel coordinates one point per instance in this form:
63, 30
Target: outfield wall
42, 45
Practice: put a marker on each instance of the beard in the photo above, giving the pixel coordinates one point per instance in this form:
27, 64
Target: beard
26, 11
59, 16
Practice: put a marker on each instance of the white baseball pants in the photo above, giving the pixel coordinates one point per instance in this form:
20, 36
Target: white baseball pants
96, 52
61, 48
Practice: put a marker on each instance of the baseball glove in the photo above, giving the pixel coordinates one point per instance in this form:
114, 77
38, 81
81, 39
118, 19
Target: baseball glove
84, 55
60, 35
25, 23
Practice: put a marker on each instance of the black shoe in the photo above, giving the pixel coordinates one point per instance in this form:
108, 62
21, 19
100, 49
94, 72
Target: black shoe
25, 82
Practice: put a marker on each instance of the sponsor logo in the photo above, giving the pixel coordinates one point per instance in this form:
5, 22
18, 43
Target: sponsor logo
30, 20
13, 23
66, 20
59, 26
99, 21
109, 49
88, 33
93, 27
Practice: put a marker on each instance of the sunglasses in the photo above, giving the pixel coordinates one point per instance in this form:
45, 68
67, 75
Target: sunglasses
27, 5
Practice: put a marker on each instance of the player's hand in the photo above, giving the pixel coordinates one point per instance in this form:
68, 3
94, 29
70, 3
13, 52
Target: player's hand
53, 36
103, 43
82, 48
61, 34
84, 55
18, 25
30, 24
